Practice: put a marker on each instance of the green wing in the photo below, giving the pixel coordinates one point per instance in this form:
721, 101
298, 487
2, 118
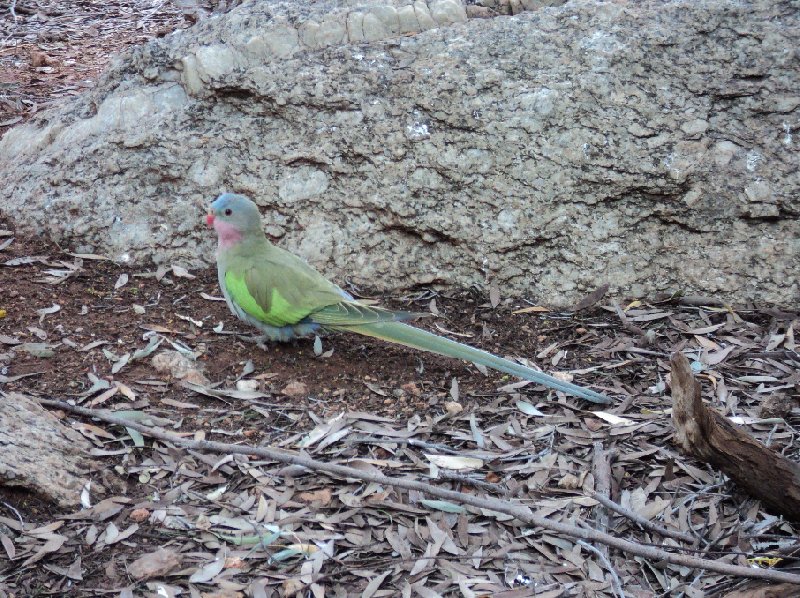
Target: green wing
270, 307
280, 289
276, 287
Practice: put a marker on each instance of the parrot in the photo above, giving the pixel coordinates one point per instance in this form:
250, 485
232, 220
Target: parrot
285, 298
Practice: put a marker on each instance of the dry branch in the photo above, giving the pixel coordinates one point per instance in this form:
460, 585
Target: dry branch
520, 512
702, 432
639, 520
601, 466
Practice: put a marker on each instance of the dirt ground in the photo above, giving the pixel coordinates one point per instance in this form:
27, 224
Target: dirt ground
53, 49
106, 335
356, 400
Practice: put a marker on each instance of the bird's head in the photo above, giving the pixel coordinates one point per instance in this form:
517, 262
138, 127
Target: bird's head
233, 216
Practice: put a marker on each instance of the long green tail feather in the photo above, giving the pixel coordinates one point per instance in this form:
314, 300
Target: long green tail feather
417, 338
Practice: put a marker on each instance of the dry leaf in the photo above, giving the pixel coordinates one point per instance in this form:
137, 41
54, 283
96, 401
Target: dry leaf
592, 298
531, 310
210, 570
455, 462
494, 295
182, 272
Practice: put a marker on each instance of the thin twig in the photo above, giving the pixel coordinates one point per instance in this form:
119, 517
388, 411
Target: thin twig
468, 481
12, 11
520, 512
601, 467
615, 582
645, 523
13, 510
429, 446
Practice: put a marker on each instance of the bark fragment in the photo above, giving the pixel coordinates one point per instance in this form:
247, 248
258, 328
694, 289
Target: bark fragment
710, 437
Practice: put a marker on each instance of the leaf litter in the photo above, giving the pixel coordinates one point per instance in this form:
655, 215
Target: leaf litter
237, 525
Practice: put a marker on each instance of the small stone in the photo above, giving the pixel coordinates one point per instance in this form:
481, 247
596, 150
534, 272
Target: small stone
247, 385
283, 42
196, 377
215, 61
234, 562
569, 482
40, 59
139, 309
308, 33
453, 408
295, 389
179, 367
492, 477
411, 388
154, 564
292, 587
139, 515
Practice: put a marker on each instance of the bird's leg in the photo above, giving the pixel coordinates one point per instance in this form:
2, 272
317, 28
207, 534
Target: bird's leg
259, 340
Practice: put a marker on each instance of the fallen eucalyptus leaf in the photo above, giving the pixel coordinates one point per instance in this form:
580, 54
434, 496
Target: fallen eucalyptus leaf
455, 462
182, 272
210, 570
529, 409
443, 505
36, 349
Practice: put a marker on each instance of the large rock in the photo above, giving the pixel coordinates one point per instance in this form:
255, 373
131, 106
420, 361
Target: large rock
40, 453
651, 145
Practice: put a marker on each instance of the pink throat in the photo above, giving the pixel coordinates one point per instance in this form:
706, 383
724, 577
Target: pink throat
227, 234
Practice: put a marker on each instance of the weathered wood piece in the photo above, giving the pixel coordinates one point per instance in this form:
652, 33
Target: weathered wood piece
39, 453
781, 590
710, 437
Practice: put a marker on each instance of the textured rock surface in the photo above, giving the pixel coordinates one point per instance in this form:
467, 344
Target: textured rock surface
651, 145
39, 453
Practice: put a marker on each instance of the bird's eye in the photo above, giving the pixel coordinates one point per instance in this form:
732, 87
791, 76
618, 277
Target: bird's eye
228, 212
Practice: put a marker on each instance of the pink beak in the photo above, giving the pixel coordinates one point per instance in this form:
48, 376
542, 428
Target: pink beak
210, 219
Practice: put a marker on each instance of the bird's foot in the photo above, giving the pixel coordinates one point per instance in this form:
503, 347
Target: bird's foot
259, 340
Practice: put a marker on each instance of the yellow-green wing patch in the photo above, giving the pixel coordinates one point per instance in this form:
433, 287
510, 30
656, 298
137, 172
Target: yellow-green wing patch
277, 312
